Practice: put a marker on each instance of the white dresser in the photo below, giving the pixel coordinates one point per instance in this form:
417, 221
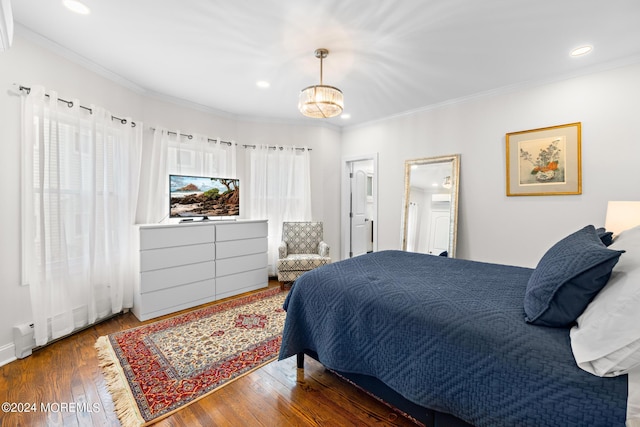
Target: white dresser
188, 264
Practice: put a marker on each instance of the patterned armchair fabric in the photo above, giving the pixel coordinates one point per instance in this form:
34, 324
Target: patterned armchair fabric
301, 249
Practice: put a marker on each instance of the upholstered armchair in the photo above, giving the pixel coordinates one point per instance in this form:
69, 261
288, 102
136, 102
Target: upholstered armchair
301, 249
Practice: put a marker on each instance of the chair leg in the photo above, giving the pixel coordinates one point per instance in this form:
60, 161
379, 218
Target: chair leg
285, 283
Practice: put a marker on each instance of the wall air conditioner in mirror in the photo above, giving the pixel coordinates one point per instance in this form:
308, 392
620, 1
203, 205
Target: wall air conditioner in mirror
441, 197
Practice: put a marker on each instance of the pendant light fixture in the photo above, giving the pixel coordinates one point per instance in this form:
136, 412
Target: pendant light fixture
321, 101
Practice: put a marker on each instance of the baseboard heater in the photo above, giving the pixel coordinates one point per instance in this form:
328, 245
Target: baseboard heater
25, 343
23, 340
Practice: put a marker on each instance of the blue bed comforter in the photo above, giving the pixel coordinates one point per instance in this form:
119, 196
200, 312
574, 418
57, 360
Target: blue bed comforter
450, 335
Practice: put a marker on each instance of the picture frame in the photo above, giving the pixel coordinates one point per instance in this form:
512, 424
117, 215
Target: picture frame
545, 161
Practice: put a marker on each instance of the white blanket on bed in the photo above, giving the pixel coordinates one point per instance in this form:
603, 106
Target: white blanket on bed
606, 339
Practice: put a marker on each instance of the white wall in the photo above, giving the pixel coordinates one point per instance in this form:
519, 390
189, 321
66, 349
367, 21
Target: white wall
514, 230
29, 63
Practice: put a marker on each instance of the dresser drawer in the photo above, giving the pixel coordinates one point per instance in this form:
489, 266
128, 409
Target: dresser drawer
155, 259
165, 301
234, 248
176, 276
179, 235
227, 266
241, 282
240, 230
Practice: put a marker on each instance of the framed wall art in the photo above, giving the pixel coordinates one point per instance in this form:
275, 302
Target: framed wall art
545, 161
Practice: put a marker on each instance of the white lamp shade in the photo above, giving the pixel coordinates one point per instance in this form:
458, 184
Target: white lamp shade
6, 25
622, 216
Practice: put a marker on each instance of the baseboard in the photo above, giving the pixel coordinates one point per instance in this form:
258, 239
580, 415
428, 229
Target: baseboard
7, 354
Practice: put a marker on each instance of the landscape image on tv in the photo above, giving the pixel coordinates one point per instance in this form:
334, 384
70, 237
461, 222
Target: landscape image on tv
196, 196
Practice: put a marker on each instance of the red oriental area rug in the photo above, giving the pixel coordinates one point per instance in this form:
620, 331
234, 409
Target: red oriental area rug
156, 369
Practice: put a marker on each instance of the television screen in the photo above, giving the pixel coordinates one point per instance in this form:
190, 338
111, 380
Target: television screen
198, 196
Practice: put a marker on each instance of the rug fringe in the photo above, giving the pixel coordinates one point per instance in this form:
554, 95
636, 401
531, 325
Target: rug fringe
124, 403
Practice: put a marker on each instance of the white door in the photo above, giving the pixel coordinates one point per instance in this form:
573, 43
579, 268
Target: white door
439, 232
359, 220
359, 205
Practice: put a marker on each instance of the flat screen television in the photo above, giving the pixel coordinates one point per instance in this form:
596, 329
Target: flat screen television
203, 197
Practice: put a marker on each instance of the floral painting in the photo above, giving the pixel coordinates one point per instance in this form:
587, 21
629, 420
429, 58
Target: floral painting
542, 161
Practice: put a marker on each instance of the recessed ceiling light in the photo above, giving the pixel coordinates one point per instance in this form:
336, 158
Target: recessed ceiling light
263, 84
582, 50
345, 116
76, 6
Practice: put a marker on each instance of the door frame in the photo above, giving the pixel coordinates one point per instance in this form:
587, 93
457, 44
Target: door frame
345, 204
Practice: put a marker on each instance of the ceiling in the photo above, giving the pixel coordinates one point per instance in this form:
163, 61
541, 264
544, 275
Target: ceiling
388, 56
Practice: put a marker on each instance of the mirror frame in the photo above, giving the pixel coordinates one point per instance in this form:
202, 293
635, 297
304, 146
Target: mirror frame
455, 178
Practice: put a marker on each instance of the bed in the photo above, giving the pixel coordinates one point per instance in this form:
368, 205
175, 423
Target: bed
457, 342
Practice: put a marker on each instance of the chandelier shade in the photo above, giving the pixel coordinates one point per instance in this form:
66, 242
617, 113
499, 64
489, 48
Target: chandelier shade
321, 101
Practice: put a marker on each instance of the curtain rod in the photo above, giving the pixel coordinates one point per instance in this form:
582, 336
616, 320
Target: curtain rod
70, 105
133, 124
274, 147
189, 136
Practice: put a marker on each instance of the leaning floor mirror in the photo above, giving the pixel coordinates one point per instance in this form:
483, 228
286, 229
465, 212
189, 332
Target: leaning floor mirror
430, 205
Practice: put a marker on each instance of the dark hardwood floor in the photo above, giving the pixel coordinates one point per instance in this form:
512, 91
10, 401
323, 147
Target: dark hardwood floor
278, 394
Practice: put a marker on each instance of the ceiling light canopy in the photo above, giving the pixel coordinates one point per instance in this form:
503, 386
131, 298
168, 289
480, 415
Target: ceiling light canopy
321, 101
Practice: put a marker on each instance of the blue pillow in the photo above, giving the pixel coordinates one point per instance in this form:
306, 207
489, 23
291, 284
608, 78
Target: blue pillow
567, 278
605, 236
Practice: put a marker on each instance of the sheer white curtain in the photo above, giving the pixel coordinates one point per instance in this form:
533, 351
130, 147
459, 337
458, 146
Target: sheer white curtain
176, 153
80, 177
279, 189
154, 182
200, 156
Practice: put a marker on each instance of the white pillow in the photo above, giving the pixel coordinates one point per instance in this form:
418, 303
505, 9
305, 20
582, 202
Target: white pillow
606, 339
